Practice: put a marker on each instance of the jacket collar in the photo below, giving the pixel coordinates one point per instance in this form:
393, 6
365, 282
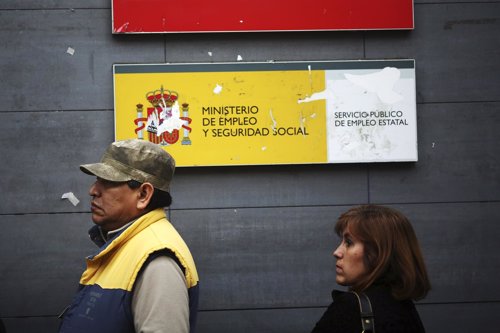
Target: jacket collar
114, 239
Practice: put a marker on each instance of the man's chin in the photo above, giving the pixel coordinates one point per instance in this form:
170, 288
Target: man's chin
97, 219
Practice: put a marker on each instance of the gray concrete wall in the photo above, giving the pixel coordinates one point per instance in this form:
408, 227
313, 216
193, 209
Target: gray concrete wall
56, 112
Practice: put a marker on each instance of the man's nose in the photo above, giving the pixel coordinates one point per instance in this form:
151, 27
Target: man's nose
93, 190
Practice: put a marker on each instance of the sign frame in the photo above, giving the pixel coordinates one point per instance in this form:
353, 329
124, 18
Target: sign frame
198, 16
350, 111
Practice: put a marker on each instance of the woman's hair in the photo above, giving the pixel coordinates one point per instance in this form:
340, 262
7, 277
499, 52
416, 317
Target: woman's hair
159, 199
392, 254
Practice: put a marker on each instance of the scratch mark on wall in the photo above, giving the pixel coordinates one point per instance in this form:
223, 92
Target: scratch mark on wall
449, 25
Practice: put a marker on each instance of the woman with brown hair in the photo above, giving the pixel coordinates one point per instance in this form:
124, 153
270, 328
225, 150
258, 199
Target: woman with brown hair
379, 256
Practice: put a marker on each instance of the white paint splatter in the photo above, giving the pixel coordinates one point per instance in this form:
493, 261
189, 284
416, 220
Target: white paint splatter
217, 89
209, 53
70, 51
169, 118
239, 58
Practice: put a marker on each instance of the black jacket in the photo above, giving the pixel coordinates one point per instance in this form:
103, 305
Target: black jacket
391, 316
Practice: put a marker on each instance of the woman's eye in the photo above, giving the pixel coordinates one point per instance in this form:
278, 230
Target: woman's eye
348, 242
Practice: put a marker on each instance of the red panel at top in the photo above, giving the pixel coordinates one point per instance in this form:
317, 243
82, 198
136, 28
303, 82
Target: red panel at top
165, 16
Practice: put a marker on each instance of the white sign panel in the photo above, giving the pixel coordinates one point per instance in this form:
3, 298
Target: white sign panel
371, 115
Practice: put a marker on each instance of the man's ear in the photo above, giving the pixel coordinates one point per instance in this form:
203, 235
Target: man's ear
145, 193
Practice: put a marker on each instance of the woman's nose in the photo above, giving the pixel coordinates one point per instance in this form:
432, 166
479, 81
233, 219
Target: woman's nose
338, 253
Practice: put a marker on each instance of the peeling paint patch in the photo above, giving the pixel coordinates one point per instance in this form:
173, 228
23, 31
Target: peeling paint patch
239, 58
326, 94
123, 28
302, 121
272, 119
71, 198
381, 83
70, 51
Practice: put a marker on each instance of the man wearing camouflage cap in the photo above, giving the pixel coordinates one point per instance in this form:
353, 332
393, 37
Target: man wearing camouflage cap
143, 277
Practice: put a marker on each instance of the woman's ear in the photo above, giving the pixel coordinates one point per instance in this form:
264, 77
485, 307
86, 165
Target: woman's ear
145, 193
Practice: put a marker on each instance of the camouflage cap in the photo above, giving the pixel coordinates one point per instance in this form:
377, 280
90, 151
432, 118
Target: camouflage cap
137, 160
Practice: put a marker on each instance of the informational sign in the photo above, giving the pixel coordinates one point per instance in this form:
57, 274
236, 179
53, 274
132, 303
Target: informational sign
271, 113
165, 16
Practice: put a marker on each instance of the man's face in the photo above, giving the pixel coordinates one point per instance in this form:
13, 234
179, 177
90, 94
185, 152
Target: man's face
113, 204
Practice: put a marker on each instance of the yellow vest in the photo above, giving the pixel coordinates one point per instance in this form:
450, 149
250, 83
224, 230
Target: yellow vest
119, 263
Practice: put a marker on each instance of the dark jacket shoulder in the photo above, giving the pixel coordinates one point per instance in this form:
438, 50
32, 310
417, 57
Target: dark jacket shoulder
341, 316
391, 315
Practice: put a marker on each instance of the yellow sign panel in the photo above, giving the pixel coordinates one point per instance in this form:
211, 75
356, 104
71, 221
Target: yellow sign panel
226, 114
